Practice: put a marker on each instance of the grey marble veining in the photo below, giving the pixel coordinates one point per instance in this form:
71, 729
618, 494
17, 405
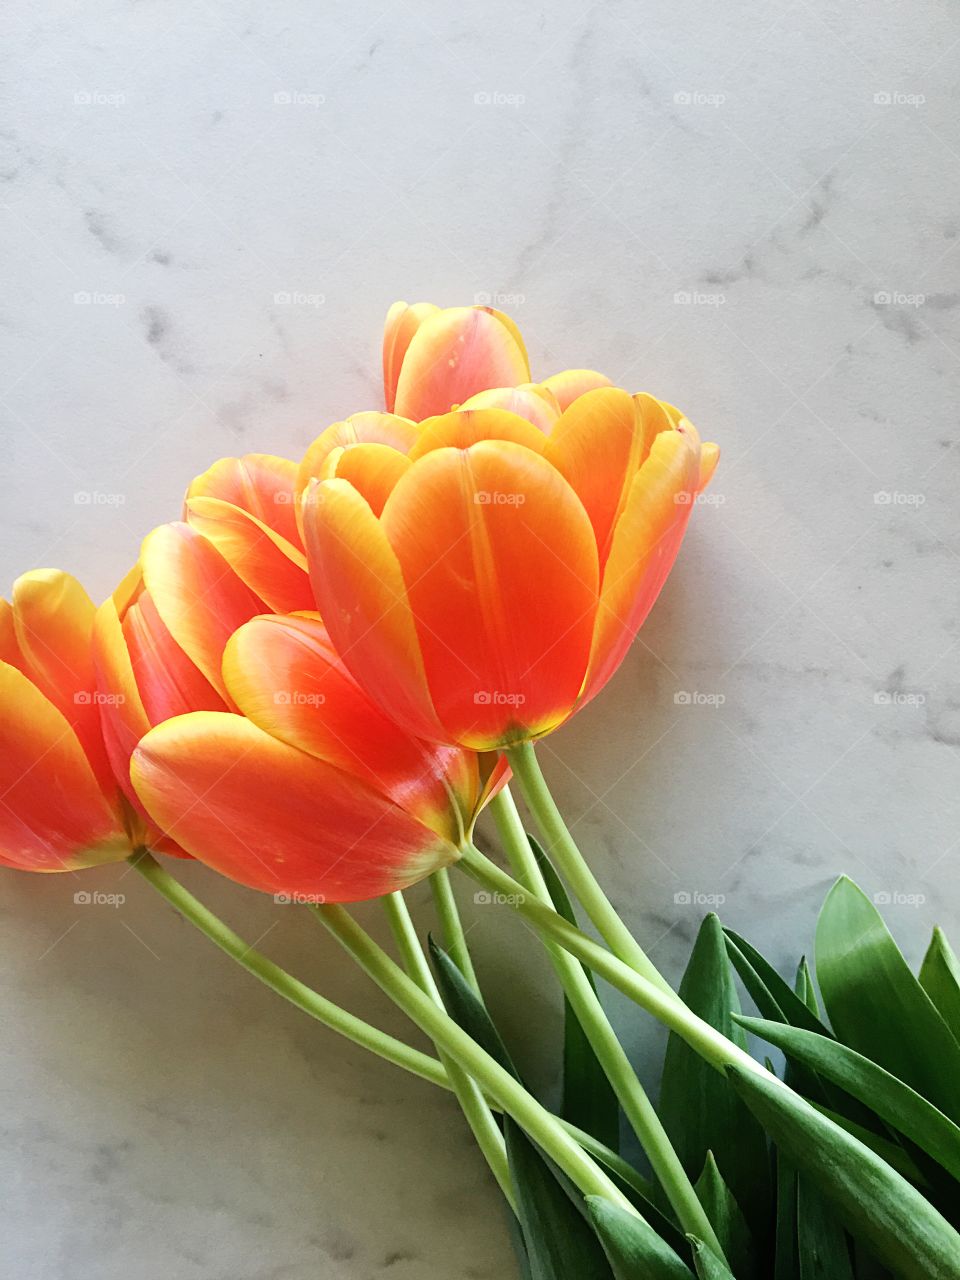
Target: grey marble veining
752, 211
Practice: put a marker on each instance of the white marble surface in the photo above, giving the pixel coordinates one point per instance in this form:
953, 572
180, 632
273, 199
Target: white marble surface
788, 168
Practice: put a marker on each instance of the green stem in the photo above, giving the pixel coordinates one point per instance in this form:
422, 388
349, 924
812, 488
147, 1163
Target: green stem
667, 1008
589, 1012
469, 1094
454, 939
563, 850
283, 983
499, 1085
331, 1015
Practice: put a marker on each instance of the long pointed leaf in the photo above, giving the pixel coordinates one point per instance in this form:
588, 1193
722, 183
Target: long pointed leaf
560, 1243
466, 1008
895, 1102
940, 978
876, 1005
634, 1249
727, 1220
822, 1242
708, 1265
699, 1110
901, 1228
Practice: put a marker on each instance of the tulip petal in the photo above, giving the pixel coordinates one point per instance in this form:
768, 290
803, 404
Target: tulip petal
535, 403
453, 355
272, 817
269, 564
504, 610
465, 427
53, 622
645, 543
598, 444
197, 595
362, 428
401, 324
53, 814
284, 675
260, 484
372, 469
573, 383
362, 599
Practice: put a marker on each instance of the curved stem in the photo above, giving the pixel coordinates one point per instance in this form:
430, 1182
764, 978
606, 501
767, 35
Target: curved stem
589, 1012
331, 1015
563, 850
469, 1094
666, 1007
283, 983
454, 939
499, 1085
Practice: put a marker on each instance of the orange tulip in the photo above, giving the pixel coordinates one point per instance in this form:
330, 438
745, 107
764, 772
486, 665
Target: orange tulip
485, 580
435, 360
60, 807
312, 791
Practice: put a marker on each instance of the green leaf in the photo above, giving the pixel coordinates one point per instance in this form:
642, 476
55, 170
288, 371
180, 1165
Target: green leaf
634, 1249
699, 1110
786, 1264
822, 1242
804, 988
893, 1101
902, 1229
940, 978
772, 996
466, 1008
560, 1243
706, 1262
589, 1100
726, 1219
876, 1005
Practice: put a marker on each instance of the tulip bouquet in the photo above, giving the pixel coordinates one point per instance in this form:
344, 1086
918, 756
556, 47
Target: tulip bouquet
316, 680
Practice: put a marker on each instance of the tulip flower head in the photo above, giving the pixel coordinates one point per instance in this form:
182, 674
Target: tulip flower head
311, 793
485, 580
60, 807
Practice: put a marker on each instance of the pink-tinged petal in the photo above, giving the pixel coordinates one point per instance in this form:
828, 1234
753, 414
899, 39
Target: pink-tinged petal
53, 622
646, 540
372, 469
362, 428
401, 324
199, 598
504, 610
537, 404
54, 815
260, 484
285, 676
598, 444
465, 427
452, 356
573, 383
272, 817
273, 568
362, 599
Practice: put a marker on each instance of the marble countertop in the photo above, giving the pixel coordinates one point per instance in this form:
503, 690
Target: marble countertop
752, 211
